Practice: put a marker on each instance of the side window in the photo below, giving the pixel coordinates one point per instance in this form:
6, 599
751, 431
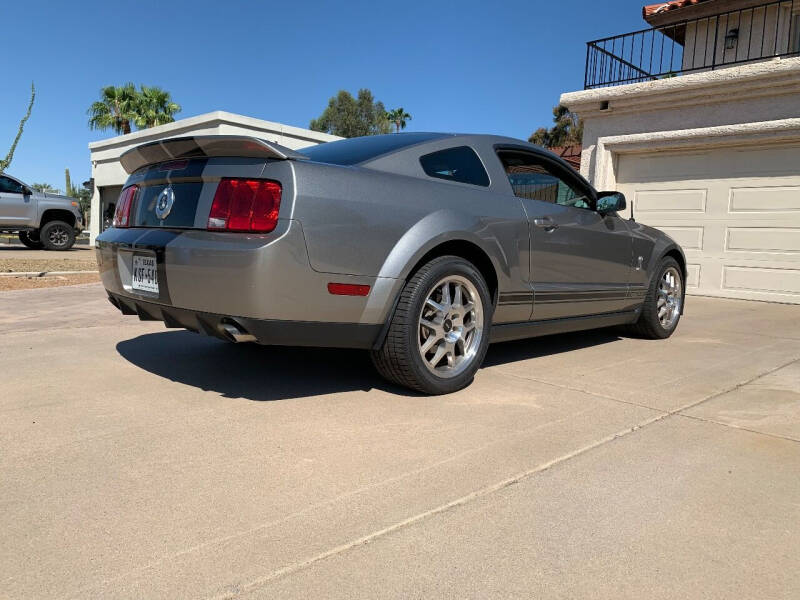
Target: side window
531, 178
9, 186
456, 164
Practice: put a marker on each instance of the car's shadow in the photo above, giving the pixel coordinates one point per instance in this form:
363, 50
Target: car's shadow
508, 352
263, 373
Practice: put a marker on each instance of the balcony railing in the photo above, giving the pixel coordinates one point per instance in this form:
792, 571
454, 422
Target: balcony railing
739, 36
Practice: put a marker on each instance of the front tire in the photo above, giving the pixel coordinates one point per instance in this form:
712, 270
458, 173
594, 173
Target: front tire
57, 235
663, 303
31, 240
439, 332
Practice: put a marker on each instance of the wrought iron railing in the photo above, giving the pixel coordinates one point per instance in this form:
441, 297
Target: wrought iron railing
738, 36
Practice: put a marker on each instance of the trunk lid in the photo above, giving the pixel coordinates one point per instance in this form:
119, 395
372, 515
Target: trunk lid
177, 178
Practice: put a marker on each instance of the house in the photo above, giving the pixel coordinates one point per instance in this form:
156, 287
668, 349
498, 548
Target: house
571, 154
696, 119
109, 176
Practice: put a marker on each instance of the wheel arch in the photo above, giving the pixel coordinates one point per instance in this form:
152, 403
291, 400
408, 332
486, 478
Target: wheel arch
440, 233
675, 252
57, 214
460, 247
470, 252
444, 232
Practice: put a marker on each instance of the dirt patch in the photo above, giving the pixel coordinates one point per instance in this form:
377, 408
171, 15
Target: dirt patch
28, 282
26, 265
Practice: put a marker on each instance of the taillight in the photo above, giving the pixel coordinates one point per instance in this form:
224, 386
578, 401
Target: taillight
249, 205
122, 213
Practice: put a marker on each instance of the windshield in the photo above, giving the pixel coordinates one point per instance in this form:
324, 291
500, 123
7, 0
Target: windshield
357, 150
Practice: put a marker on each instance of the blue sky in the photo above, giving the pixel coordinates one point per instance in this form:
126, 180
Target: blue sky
486, 67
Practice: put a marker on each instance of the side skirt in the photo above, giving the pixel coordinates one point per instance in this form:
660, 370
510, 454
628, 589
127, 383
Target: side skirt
507, 332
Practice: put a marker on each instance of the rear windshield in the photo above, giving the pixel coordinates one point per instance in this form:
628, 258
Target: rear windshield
360, 149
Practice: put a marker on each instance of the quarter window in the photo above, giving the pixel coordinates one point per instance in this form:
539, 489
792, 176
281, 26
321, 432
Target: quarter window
456, 164
533, 179
9, 186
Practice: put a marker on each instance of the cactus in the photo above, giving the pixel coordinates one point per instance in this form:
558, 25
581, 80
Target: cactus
4, 163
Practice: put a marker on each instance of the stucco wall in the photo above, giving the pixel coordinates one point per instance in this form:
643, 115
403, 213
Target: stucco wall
762, 32
752, 93
712, 159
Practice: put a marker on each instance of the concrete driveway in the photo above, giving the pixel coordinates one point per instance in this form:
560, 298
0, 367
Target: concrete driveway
140, 462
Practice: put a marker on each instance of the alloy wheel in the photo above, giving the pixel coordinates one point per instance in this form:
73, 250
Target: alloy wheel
450, 326
670, 298
58, 236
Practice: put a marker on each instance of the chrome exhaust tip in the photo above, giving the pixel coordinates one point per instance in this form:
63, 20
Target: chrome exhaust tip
235, 333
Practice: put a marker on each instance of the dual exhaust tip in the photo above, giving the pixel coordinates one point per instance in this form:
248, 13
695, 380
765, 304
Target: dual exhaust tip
235, 332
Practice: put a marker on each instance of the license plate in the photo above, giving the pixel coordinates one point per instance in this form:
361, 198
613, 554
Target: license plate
145, 274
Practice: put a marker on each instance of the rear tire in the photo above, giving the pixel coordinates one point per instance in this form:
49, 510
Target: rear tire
663, 304
57, 235
31, 240
439, 333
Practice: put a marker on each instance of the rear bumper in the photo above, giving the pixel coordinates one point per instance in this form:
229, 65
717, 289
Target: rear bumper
265, 331
262, 282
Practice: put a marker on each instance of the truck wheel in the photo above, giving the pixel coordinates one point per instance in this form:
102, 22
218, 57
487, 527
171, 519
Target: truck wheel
57, 235
439, 332
31, 240
663, 303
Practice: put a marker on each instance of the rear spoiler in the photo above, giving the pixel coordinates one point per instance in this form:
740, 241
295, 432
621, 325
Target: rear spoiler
204, 146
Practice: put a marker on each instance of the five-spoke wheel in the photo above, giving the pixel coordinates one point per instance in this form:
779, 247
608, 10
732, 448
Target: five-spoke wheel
670, 297
663, 303
439, 332
450, 326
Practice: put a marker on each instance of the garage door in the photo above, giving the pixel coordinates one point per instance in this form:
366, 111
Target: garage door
736, 212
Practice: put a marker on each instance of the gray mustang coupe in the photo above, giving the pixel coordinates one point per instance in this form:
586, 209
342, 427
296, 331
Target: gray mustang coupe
419, 247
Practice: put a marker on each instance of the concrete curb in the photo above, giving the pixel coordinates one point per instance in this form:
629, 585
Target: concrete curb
43, 273
14, 241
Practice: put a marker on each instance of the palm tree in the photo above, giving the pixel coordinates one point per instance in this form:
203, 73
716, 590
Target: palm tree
116, 109
398, 116
154, 107
45, 187
567, 131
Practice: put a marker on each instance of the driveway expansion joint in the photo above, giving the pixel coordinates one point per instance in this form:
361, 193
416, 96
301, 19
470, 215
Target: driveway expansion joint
587, 392
488, 490
739, 427
418, 518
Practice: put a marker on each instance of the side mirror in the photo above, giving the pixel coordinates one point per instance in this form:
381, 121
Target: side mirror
608, 202
26, 191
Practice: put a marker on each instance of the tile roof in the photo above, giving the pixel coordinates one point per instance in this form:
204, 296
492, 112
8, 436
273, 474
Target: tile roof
652, 10
571, 154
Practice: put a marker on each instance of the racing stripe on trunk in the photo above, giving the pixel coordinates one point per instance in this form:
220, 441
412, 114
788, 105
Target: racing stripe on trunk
152, 240
183, 179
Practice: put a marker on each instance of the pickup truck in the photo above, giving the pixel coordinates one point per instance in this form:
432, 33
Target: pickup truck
41, 220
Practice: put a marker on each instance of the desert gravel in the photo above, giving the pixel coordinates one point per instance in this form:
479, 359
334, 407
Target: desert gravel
25, 282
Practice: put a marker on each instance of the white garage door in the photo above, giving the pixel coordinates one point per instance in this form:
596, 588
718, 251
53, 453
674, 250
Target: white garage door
736, 212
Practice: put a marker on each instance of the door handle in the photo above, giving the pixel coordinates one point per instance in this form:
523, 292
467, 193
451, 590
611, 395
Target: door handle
545, 223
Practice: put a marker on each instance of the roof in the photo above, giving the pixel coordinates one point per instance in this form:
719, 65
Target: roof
652, 10
571, 154
212, 119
